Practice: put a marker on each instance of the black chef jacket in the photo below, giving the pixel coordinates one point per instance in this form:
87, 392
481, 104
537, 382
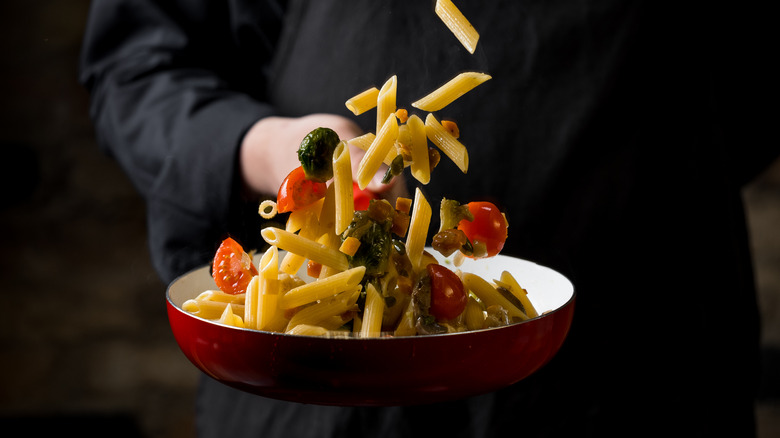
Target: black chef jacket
615, 135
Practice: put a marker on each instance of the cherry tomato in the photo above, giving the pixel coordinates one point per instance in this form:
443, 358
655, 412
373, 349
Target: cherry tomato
362, 197
448, 297
232, 269
488, 227
296, 191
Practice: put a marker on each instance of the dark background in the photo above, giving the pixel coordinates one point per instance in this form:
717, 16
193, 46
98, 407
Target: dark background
84, 339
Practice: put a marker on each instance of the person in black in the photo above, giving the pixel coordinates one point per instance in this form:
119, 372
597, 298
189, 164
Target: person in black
615, 136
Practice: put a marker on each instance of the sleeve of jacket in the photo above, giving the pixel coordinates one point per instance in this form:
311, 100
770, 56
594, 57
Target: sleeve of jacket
174, 86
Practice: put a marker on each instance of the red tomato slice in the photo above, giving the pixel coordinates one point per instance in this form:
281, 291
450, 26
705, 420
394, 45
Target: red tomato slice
296, 191
448, 296
232, 269
488, 227
362, 197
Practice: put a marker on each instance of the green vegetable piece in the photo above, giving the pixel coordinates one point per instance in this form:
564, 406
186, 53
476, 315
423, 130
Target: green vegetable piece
451, 213
316, 154
375, 244
395, 169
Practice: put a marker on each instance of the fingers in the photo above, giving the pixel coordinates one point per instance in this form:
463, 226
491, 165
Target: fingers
269, 149
269, 152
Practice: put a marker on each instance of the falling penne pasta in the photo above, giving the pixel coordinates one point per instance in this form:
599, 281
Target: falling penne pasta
454, 19
342, 182
448, 144
363, 101
375, 155
450, 91
386, 102
421, 164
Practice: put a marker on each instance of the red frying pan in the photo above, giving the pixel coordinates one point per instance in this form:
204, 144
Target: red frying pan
379, 371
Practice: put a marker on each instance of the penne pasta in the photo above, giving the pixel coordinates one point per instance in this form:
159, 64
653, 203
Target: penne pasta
372, 313
209, 309
272, 316
489, 295
475, 315
250, 304
218, 295
325, 310
331, 240
448, 144
268, 268
450, 91
326, 287
363, 101
406, 327
327, 216
342, 182
458, 24
421, 165
307, 330
269, 315
509, 283
418, 228
304, 217
375, 155
364, 142
360, 254
229, 318
305, 247
386, 102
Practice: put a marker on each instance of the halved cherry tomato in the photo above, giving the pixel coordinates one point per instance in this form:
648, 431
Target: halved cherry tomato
296, 191
489, 226
232, 269
448, 296
362, 197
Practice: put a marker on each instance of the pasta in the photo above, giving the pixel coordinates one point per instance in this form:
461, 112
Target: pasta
342, 183
267, 209
510, 283
382, 144
450, 91
418, 228
489, 295
229, 318
372, 315
371, 273
386, 102
324, 310
363, 101
251, 311
458, 24
305, 248
448, 144
317, 290
208, 309
421, 166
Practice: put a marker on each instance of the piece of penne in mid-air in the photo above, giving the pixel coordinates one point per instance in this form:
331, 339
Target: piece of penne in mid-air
450, 91
458, 24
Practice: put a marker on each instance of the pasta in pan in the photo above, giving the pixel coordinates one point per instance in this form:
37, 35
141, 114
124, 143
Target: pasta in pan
369, 272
